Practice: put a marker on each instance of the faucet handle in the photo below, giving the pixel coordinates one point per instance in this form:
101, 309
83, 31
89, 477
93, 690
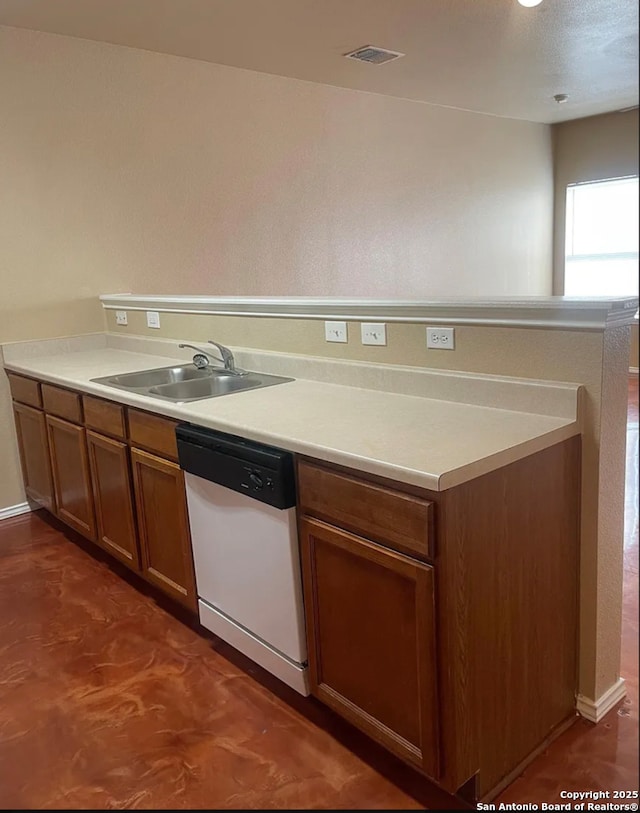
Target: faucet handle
226, 354
227, 358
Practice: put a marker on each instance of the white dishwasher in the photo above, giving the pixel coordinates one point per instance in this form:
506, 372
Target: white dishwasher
241, 499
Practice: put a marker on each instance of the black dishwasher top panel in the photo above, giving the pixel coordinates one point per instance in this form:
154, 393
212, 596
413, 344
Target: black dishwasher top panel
262, 472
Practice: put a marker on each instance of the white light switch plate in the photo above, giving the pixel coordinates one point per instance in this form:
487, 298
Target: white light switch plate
121, 317
441, 338
153, 319
335, 331
373, 333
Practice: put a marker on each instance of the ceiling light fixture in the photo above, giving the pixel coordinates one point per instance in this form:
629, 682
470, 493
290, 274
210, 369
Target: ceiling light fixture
529, 3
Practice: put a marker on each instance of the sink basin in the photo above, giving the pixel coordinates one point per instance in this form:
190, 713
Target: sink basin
160, 375
183, 383
214, 385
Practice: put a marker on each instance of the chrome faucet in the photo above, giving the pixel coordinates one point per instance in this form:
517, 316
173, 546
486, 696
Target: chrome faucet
201, 358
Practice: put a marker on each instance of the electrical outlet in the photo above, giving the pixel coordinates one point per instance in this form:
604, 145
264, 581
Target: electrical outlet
373, 333
441, 338
121, 317
335, 331
153, 319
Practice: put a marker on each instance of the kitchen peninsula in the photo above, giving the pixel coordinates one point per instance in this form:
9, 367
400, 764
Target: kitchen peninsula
439, 527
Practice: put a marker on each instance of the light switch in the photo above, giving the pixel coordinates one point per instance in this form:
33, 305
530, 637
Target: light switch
121, 317
335, 331
153, 319
373, 333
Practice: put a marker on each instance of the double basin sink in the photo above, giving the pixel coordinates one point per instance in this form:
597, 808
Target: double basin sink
183, 383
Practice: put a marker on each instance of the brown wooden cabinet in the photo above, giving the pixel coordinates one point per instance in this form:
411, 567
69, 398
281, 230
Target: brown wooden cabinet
463, 664
33, 445
111, 481
79, 460
371, 633
165, 540
71, 477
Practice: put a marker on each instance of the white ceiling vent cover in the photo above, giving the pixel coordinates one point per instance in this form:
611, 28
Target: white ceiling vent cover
373, 55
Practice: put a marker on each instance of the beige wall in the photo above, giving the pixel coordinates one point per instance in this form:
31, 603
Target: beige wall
125, 170
591, 149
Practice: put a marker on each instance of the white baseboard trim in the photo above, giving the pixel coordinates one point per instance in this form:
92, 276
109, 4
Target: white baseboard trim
15, 510
633, 371
595, 710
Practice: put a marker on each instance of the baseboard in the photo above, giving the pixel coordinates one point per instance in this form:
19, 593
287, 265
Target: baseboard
15, 510
595, 710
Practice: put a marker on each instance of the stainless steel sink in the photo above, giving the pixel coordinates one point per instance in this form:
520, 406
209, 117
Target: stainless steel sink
183, 383
155, 377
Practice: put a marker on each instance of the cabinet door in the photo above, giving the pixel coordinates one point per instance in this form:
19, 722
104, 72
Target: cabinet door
33, 446
370, 625
71, 478
163, 527
112, 492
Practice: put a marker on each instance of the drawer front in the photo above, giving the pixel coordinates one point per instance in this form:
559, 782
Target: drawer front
63, 403
153, 432
25, 390
399, 521
104, 416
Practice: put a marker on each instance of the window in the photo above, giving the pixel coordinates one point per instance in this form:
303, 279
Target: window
601, 253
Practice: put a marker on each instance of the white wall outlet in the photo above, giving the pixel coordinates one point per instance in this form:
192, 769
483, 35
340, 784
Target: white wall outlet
153, 319
335, 331
121, 317
373, 333
441, 338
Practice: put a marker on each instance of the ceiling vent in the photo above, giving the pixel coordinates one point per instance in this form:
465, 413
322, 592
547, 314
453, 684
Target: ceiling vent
373, 55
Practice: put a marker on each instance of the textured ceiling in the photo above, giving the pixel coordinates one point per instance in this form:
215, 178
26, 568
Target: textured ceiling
492, 56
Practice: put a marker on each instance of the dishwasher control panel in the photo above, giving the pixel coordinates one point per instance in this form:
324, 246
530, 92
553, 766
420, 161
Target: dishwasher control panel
260, 471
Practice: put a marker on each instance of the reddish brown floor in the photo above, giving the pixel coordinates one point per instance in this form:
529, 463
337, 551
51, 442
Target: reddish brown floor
109, 701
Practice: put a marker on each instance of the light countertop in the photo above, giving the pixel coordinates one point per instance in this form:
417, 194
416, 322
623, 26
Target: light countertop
427, 442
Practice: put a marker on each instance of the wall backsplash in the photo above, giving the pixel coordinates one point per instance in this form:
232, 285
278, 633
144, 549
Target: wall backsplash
527, 353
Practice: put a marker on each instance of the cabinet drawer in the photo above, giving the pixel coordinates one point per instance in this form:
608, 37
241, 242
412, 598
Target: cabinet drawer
25, 390
61, 402
105, 416
153, 432
397, 520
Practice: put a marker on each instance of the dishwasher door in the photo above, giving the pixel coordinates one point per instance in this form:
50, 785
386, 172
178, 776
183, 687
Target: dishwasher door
247, 565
